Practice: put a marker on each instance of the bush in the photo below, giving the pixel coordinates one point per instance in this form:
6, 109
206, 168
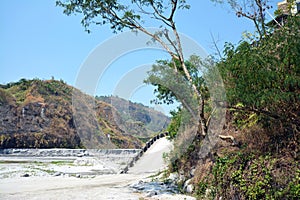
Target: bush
246, 176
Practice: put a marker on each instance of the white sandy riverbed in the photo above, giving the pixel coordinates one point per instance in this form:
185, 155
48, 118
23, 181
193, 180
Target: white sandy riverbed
102, 187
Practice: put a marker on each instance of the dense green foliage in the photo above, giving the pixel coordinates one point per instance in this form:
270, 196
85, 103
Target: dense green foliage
172, 85
264, 73
262, 80
246, 176
264, 77
173, 127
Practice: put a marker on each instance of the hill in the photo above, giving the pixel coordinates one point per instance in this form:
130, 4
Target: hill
141, 121
51, 114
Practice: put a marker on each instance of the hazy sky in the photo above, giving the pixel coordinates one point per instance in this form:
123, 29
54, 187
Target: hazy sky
39, 41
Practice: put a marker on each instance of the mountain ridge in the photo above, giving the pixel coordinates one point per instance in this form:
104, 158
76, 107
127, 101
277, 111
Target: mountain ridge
43, 114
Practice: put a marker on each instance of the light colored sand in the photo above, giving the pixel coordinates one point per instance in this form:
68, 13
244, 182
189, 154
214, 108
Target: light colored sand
103, 187
100, 187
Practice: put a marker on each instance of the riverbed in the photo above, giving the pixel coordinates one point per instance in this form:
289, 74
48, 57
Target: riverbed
86, 177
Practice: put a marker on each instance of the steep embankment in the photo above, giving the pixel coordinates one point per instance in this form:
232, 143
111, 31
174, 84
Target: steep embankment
40, 114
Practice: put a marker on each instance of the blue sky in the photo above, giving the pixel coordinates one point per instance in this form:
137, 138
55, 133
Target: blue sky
39, 41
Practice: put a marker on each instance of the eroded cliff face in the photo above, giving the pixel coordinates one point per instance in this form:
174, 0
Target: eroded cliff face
39, 114
37, 124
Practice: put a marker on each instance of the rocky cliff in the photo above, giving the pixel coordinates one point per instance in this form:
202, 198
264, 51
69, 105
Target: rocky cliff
41, 114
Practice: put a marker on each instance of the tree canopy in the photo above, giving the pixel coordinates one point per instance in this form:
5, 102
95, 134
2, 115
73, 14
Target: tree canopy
264, 77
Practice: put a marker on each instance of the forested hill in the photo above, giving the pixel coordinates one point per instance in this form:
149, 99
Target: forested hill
39, 114
140, 120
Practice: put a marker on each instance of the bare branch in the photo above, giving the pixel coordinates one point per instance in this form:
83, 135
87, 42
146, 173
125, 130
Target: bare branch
174, 7
216, 46
157, 15
158, 12
261, 14
158, 39
142, 10
166, 34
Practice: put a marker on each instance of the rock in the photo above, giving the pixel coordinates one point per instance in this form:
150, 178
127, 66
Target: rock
139, 187
57, 174
181, 177
186, 183
15, 151
25, 175
192, 172
124, 171
155, 188
173, 177
189, 188
151, 194
80, 154
208, 193
78, 176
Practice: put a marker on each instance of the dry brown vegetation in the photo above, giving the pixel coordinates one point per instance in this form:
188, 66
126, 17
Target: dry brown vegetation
25, 126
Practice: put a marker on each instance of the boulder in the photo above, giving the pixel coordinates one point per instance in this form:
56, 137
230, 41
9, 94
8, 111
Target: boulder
188, 187
173, 177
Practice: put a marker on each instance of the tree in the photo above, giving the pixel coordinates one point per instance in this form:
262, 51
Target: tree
254, 10
264, 79
173, 86
134, 15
